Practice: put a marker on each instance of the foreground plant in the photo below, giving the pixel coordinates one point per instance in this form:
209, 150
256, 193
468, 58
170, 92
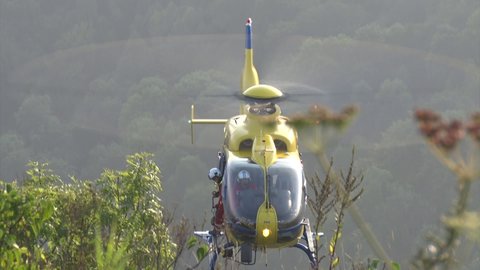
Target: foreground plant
326, 197
115, 222
318, 127
445, 139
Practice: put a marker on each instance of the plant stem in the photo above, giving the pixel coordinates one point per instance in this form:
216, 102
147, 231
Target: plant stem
356, 216
460, 207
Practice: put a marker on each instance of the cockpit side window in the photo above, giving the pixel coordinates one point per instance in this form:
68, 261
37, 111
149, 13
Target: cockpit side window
246, 145
280, 145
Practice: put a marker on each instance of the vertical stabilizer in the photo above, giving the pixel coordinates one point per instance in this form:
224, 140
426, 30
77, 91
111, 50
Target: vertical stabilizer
249, 75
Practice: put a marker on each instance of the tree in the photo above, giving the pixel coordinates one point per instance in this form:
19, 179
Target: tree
23, 216
82, 225
81, 34
186, 183
147, 97
37, 124
129, 199
144, 132
14, 154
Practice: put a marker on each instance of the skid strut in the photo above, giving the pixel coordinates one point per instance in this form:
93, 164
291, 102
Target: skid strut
309, 246
210, 237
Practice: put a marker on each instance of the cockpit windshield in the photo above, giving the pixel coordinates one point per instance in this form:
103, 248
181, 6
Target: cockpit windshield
285, 181
244, 190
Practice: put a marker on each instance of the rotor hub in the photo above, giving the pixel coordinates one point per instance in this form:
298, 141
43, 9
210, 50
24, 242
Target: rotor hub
263, 91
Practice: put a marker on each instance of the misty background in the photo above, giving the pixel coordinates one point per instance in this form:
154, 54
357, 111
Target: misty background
83, 83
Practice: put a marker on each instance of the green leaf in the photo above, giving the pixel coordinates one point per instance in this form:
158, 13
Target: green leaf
373, 264
202, 252
192, 241
338, 236
335, 262
47, 211
333, 242
9, 188
35, 229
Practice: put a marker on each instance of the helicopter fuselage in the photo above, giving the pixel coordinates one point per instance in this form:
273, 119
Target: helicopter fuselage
267, 212
263, 186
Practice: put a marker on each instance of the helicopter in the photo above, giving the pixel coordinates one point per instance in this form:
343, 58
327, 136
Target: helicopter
260, 196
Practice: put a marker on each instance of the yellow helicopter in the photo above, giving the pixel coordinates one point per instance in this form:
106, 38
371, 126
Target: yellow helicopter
261, 188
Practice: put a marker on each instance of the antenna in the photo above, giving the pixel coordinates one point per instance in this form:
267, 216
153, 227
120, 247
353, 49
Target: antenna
249, 75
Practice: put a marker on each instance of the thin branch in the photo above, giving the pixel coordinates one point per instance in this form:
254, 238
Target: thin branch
355, 214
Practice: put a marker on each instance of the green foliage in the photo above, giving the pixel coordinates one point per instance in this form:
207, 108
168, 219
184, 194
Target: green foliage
208, 81
468, 223
142, 129
129, 199
192, 241
82, 107
114, 256
145, 132
376, 264
338, 192
202, 252
23, 216
149, 94
35, 116
187, 169
202, 249
14, 154
39, 175
104, 156
114, 222
80, 34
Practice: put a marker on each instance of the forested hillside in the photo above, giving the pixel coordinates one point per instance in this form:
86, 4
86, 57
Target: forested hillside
84, 83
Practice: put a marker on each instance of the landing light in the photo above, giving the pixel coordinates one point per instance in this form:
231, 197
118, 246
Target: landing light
266, 232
